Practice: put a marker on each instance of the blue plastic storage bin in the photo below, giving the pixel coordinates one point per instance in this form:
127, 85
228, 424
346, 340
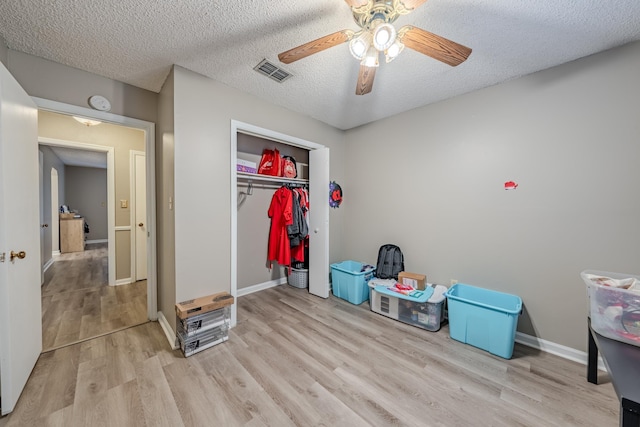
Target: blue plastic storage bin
349, 282
483, 318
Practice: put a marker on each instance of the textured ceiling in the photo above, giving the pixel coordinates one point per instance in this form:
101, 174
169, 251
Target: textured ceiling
137, 41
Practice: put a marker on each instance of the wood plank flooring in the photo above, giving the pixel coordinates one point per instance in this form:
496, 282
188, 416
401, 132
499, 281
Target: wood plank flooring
78, 303
299, 360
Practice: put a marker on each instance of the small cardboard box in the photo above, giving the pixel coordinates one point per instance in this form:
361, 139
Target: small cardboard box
66, 215
192, 307
416, 280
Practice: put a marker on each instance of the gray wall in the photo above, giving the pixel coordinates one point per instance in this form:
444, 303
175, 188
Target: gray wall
4, 52
86, 192
49, 80
50, 160
203, 110
164, 200
568, 136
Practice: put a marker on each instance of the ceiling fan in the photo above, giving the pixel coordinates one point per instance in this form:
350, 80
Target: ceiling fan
378, 35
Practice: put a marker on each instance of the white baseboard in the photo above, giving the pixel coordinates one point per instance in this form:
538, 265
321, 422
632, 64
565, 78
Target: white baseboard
261, 286
55, 253
97, 241
126, 281
556, 349
171, 336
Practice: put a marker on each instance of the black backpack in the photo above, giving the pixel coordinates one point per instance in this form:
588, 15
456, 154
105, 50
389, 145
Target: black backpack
390, 262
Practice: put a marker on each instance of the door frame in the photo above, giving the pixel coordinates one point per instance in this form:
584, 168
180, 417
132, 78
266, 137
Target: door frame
55, 230
111, 193
134, 203
149, 133
249, 129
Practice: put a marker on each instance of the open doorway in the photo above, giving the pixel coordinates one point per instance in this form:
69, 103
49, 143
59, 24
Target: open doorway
317, 178
92, 289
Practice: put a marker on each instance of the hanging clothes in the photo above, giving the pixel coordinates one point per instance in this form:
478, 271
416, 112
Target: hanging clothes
281, 214
303, 197
299, 230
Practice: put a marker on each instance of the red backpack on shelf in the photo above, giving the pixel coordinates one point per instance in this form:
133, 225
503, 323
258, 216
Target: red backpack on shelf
270, 163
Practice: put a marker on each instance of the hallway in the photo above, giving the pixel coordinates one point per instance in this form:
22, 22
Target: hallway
78, 304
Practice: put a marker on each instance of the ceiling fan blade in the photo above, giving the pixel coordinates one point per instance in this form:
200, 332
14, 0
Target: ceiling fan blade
356, 3
315, 46
435, 46
412, 4
365, 80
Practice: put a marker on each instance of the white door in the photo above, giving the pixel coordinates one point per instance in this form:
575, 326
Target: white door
55, 222
319, 222
20, 305
140, 214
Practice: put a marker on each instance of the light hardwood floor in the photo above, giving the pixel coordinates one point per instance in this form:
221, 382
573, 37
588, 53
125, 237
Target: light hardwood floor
296, 359
78, 303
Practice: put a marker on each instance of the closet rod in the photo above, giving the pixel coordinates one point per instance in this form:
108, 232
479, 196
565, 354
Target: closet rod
271, 185
267, 178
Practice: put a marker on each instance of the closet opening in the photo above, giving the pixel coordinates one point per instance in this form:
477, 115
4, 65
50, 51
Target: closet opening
251, 198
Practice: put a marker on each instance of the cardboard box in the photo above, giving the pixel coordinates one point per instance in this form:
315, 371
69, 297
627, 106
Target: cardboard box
66, 215
192, 307
418, 281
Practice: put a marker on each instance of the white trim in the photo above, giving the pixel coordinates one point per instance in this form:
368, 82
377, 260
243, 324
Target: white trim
132, 209
246, 128
123, 228
261, 287
249, 129
60, 107
171, 336
556, 349
55, 253
47, 264
149, 129
88, 242
111, 197
120, 282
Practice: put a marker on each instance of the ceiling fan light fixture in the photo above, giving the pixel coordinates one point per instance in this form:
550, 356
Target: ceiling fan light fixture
359, 46
393, 51
371, 59
384, 36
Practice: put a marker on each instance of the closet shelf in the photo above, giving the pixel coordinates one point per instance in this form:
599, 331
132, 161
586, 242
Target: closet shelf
267, 178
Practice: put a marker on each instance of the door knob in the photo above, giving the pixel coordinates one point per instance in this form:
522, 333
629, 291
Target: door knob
20, 255
141, 225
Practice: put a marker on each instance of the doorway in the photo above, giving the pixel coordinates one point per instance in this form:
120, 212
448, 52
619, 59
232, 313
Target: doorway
318, 180
121, 274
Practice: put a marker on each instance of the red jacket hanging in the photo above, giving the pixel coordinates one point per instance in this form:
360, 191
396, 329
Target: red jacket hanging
280, 212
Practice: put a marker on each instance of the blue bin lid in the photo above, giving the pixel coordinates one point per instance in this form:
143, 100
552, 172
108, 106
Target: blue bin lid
415, 296
500, 301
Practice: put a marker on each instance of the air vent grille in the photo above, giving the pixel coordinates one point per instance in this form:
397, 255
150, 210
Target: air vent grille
270, 70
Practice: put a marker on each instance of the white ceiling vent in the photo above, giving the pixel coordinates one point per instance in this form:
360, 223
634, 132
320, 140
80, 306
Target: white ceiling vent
270, 70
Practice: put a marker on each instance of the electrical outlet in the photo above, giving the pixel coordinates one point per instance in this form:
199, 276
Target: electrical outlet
453, 282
